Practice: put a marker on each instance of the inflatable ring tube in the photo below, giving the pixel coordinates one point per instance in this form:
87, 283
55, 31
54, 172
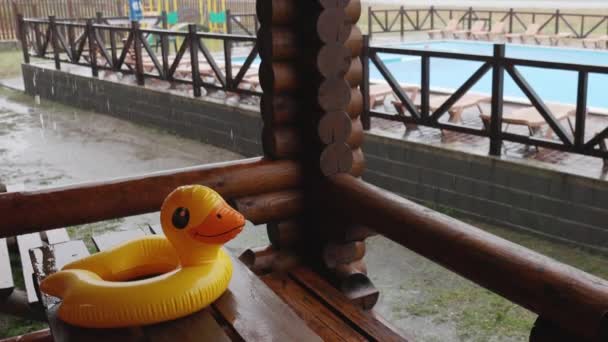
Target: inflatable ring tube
111, 304
187, 269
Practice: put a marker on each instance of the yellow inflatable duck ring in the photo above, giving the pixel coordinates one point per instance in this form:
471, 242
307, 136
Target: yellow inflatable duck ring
189, 268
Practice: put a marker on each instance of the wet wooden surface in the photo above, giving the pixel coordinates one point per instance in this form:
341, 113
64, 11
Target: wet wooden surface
321, 319
25, 243
6, 276
58, 235
257, 313
248, 310
48, 259
367, 322
105, 241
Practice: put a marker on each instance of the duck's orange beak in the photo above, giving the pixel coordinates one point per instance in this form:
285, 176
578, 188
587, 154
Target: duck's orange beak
221, 225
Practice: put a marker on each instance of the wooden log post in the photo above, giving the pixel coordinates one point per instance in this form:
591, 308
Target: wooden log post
262, 260
139, 64
54, 41
310, 74
23, 38
90, 30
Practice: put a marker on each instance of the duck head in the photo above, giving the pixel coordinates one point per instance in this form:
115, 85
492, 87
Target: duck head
197, 221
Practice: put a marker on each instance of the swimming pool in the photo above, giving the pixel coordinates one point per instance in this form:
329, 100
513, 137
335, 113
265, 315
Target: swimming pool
551, 85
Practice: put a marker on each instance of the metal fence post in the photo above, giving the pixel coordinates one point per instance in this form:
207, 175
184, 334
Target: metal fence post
139, 65
196, 75
164, 20
23, 38
228, 20
228, 63
54, 42
498, 78
425, 85
557, 16
92, 49
581, 109
369, 22
164, 45
470, 23
510, 20
432, 17
401, 15
490, 20
365, 117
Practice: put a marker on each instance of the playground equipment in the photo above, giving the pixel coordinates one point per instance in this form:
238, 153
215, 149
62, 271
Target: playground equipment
217, 15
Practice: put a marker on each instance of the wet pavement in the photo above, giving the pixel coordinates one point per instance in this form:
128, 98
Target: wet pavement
50, 144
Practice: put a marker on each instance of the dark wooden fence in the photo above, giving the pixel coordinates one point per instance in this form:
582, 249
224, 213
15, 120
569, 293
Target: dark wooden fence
572, 140
123, 49
401, 20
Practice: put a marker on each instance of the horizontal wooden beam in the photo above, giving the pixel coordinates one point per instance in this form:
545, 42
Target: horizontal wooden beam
271, 206
34, 211
570, 298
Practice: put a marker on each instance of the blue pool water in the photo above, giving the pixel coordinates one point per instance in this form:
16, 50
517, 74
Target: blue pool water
551, 85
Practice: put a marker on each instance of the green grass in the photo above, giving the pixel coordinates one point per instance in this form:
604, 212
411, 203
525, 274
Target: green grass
478, 314
10, 63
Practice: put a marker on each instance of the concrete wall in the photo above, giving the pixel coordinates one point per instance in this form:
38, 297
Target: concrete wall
492, 190
505, 193
234, 128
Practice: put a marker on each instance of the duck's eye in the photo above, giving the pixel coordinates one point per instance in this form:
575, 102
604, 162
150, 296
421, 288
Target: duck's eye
180, 219
219, 216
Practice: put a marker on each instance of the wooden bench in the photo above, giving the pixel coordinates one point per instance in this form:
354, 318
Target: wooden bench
296, 305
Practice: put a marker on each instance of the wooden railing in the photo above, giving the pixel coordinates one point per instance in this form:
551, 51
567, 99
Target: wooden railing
123, 49
402, 20
570, 303
569, 140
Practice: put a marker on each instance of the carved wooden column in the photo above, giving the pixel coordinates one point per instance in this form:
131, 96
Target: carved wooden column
310, 74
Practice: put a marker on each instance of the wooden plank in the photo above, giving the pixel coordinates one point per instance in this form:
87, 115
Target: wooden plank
366, 321
109, 240
58, 235
49, 259
200, 326
7, 283
63, 332
256, 313
316, 315
25, 243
